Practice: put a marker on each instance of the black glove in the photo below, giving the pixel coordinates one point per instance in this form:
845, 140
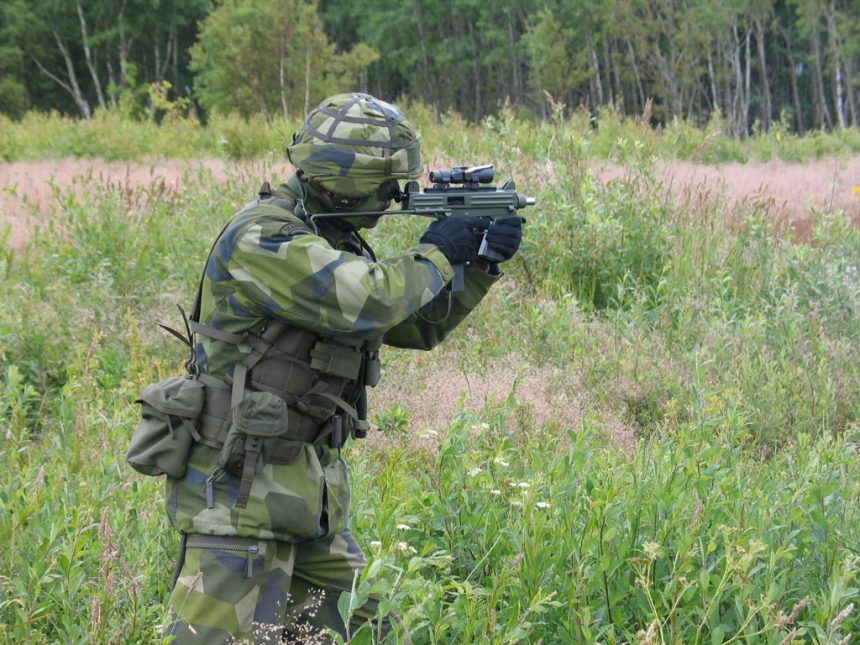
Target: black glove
503, 239
456, 237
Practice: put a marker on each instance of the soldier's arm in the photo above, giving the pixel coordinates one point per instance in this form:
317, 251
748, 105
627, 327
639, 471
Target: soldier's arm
428, 327
305, 281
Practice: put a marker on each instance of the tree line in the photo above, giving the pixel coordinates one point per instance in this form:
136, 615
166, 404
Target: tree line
751, 62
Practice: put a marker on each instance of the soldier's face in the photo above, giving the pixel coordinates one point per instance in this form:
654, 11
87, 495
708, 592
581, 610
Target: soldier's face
378, 201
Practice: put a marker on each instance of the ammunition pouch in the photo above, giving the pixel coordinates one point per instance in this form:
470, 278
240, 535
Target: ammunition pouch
169, 413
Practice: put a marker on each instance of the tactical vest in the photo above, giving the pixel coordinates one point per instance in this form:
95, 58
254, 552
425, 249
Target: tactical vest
296, 386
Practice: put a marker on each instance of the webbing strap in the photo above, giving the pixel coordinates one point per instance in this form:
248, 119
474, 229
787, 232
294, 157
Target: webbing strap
253, 447
227, 337
339, 402
211, 381
240, 375
261, 345
360, 425
172, 331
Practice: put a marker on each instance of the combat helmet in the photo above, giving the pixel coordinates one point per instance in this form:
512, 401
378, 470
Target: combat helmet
353, 143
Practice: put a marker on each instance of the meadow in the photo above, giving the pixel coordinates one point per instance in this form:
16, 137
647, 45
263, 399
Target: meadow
657, 441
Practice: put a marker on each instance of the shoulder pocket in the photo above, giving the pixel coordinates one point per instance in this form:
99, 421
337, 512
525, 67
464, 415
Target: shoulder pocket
162, 440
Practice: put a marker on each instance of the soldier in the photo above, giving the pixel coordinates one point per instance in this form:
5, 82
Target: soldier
289, 319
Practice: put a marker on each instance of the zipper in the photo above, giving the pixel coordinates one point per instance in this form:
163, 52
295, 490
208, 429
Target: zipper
249, 565
221, 546
213, 477
251, 551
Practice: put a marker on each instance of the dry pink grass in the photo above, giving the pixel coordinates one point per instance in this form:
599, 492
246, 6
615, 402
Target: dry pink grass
435, 392
792, 191
27, 188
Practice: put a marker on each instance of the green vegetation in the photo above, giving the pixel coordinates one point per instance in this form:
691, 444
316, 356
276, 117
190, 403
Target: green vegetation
733, 355
111, 135
754, 62
242, 77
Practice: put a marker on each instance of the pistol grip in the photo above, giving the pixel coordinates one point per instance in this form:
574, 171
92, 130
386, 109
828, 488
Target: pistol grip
485, 253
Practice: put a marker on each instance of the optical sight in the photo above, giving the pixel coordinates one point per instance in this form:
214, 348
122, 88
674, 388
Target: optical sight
463, 175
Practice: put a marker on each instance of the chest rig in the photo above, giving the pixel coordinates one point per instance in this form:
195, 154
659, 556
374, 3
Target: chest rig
295, 386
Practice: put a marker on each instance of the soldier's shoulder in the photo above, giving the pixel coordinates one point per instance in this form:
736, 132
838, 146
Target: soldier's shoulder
259, 226
271, 219
262, 228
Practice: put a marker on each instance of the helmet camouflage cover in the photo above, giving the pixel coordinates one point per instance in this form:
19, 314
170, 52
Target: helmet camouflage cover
352, 143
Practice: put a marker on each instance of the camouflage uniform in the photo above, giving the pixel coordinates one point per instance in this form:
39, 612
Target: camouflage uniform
281, 559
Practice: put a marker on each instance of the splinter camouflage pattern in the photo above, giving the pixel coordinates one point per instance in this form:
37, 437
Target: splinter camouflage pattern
327, 282
351, 143
292, 591
255, 274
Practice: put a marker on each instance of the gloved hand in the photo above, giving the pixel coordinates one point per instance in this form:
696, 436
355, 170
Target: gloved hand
456, 237
503, 239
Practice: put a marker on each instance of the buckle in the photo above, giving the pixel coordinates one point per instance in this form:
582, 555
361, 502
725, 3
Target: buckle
360, 428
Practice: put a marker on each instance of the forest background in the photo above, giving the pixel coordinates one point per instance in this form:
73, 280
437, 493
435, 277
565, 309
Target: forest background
749, 62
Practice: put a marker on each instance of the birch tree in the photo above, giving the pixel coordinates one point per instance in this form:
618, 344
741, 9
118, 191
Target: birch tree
270, 57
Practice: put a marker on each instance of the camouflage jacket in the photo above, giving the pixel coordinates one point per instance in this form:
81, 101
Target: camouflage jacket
328, 283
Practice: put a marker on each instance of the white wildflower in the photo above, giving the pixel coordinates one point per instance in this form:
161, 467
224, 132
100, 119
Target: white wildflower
375, 543
501, 462
516, 503
403, 527
495, 491
523, 484
542, 504
407, 548
475, 471
652, 550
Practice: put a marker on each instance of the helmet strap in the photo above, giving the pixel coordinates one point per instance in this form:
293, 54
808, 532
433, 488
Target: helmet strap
330, 199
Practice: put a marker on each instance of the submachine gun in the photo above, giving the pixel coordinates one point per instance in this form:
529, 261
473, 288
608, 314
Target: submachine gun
459, 192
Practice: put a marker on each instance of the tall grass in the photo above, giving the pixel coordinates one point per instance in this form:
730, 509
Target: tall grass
732, 353
110, 135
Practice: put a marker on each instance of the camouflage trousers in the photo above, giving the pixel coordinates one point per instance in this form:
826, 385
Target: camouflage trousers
243, 590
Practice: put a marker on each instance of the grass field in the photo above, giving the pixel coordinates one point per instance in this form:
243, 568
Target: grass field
651, 427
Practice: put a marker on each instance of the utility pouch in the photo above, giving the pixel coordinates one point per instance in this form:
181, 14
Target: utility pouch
260, 415
336, 360
162, 440
260, 420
